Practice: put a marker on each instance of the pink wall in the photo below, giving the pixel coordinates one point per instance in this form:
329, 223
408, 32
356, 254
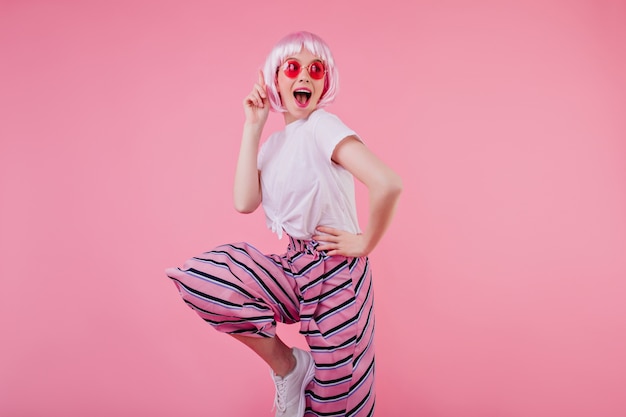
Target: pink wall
119, 126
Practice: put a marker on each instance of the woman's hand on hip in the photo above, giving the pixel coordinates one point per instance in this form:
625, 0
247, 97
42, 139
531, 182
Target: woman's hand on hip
339, 242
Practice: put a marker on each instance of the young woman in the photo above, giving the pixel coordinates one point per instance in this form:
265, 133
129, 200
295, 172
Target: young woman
303, 176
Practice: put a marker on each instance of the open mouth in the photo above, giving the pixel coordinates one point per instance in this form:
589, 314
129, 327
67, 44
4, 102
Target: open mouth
302, 97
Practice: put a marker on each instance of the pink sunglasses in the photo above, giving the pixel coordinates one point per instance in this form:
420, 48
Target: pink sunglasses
316, 69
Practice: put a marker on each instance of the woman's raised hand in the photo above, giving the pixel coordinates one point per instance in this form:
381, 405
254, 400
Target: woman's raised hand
256, 105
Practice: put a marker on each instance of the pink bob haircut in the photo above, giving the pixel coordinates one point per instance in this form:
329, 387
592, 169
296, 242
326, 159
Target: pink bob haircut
291, 45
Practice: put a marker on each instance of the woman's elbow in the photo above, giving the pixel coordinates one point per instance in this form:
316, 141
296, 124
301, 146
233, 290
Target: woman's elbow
397, 184
393, 184
244, 207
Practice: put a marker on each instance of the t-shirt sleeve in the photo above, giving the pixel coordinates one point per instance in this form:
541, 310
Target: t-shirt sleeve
262, 155
329, 131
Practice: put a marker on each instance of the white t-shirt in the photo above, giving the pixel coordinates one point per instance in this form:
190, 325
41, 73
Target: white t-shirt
302, 187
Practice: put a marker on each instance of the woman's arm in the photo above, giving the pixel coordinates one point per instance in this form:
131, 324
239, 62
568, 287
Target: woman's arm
384, 187
247, 190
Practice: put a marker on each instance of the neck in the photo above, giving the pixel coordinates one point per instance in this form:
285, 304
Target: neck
290, 118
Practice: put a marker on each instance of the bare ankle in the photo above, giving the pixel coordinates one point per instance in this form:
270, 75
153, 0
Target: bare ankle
287, 366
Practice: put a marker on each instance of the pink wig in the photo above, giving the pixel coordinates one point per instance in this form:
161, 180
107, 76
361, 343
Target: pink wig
291, 45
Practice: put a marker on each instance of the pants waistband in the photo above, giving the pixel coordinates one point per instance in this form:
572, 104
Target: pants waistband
300, 245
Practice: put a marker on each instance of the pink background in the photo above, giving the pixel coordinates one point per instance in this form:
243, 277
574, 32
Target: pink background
500, 286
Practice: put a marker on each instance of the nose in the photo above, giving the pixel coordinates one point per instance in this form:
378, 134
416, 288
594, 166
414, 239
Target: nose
304, 75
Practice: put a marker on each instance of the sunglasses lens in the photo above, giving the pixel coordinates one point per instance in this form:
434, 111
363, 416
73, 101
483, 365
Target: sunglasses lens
292, 69
316, 70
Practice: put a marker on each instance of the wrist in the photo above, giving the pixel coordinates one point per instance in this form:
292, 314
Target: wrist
368, 243
252, 130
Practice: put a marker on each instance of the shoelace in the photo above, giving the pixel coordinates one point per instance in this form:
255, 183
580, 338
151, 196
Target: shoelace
281, 393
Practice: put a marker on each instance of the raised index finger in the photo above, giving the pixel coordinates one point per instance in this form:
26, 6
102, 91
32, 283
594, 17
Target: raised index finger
262, 82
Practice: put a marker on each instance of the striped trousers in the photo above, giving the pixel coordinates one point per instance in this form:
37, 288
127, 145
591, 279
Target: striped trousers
239, 290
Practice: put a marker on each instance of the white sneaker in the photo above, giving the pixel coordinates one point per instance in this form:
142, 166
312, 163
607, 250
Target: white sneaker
290, 400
